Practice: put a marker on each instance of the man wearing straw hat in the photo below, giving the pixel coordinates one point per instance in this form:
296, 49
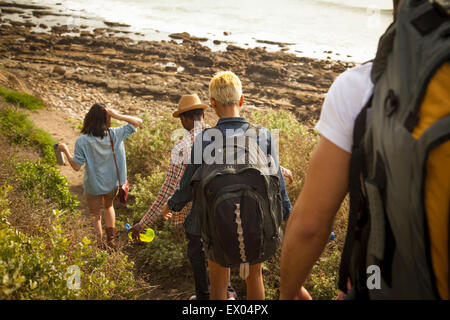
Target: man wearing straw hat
191, 114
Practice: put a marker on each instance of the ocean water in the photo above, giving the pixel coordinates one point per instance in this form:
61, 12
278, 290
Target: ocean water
348, 28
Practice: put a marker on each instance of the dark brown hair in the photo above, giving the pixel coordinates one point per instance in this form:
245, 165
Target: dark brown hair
95, 121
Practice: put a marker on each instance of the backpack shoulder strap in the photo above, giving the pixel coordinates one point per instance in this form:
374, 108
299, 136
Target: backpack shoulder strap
357, 168
385, 46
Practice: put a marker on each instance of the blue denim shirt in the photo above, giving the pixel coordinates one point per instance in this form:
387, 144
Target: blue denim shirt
184, 194
100, 174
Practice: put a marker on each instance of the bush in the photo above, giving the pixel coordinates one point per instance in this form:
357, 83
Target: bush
323, 283
21, 131
38, 245
296, 143
39, 180
165, 254
149, 148
144, 191
21, 99
36, 267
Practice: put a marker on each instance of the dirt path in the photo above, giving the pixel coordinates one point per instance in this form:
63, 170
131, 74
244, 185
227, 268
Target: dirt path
59, 126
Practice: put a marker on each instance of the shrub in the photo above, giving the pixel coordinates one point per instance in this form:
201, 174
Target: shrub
35, 258
323, 282
149, 148
165, 254
40, 180
296, 143
20, 130
36, 267
21, 99
144, 191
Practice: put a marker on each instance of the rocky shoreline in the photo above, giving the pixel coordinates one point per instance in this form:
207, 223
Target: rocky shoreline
70, 69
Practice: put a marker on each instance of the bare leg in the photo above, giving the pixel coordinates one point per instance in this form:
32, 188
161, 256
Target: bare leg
94, 209
218, 281
304, 294
254, 281
110, 214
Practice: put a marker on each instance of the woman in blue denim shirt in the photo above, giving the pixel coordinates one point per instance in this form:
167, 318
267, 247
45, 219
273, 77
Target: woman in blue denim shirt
94, 149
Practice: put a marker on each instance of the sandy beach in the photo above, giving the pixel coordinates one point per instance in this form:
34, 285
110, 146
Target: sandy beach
70, 69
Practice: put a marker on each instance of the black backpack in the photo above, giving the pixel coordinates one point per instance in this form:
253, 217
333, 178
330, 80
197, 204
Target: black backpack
387, 226
241, 203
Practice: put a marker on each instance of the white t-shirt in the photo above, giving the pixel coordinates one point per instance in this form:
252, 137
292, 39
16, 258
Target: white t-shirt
346, 97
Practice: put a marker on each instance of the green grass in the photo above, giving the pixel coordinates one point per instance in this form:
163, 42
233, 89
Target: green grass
21, 99
21, 131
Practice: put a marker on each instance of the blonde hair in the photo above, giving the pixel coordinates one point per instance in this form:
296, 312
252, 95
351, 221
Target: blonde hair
226, 88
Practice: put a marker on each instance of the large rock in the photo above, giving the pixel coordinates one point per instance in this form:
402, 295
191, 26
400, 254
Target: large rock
11, 11
22, 6
60, 29
59, 70
201, 60
108, 52
222, 62
271, 71
200, 39
232, 47
182, 36
115, 24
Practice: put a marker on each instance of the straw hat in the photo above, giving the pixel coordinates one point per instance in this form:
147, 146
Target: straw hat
187, 103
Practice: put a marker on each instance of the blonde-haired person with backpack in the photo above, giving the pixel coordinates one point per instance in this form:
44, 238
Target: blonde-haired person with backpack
226, 99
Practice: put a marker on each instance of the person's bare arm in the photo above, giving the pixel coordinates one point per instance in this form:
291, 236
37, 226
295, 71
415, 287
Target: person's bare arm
309, 226
287, 175
135, 121
63, 147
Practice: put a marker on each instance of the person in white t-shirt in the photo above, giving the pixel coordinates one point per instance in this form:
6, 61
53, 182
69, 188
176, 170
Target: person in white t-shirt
326, 184
347, 96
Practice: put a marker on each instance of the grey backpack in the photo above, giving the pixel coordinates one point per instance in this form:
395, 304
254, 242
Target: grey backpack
241, 203
388, 235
